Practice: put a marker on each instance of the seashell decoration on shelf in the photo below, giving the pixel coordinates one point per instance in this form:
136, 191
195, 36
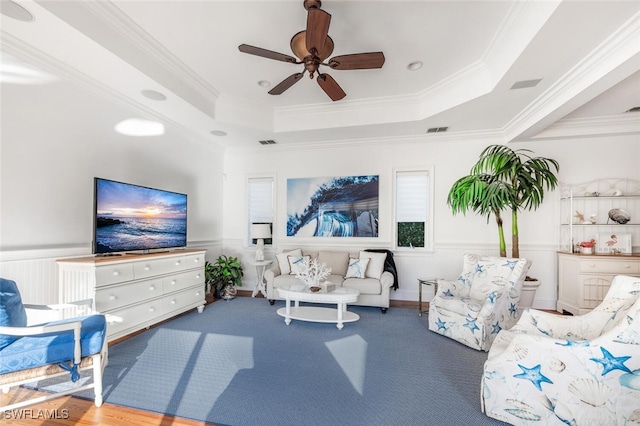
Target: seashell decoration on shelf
619, 216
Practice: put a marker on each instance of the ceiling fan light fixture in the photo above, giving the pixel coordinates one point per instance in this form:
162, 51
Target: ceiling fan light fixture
299, 47
15, 11
415, 65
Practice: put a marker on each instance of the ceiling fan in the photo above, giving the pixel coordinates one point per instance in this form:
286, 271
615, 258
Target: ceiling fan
312, 46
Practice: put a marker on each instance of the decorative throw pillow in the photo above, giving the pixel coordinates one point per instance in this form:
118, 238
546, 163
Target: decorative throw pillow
376, 264
297, 264
12, 313
357, 268
283, 260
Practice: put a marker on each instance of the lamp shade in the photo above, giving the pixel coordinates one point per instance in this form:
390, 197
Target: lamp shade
260, 230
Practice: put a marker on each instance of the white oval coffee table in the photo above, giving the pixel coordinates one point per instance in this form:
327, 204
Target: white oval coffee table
300, 293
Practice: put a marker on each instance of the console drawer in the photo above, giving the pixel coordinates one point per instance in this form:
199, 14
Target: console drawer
152, 267
111, 274
184, 298
133, 316
183, 280
194, 261
123, 295
610, 267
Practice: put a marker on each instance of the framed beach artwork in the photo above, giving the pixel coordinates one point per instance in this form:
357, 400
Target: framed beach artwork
613, 243
344, 206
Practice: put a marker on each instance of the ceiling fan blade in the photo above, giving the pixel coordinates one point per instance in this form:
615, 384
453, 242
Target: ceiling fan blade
357, 61
269, 54
286, 83
330, 87
317, 29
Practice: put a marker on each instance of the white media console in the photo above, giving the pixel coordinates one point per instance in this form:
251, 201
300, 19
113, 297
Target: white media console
135, 291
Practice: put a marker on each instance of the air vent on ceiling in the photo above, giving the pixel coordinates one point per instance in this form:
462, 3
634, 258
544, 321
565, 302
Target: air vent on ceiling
525, 83
437, 129
267, 142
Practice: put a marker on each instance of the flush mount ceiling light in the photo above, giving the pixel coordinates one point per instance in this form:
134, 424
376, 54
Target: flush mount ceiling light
139, 127
264, 83
219, 133
15, 11
414, 66
153, 95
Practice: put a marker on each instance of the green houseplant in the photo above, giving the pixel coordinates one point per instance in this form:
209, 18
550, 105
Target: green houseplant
504, 179
223, 275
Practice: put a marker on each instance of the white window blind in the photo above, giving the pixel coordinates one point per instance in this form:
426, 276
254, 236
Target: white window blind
412, 196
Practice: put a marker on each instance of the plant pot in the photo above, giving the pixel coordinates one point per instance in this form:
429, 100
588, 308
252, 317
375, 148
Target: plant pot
228, 293
586, 250
527, 294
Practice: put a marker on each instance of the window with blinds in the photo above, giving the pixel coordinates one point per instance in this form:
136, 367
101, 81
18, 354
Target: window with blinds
260, 204
412, 208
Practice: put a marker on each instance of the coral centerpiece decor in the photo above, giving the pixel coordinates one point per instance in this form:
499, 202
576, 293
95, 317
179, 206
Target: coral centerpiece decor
313, 273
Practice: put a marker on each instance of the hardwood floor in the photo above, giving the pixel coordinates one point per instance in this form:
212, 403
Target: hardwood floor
66, 411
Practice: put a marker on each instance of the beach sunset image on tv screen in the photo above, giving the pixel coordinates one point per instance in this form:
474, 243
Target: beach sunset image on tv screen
132, 217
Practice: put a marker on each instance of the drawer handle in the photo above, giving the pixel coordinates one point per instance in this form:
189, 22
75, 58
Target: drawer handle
147, 268
112, 297
198, 276
196, 260
197, 293
173, 282
627, 266
173, 302
116, 273
152, 287
152, 309
177, 263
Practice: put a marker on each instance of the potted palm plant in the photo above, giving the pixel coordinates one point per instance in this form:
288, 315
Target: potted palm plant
224, 275
505, 179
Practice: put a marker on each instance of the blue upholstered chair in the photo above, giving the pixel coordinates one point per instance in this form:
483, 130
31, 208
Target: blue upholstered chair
552, 369
481, 302
58, 348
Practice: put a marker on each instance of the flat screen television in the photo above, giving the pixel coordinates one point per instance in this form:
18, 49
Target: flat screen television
129, 217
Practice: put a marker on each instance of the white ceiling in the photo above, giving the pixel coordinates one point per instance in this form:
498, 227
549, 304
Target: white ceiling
586, 53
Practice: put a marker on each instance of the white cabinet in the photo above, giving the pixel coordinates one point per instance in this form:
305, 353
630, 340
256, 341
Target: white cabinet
583, 280
135, 291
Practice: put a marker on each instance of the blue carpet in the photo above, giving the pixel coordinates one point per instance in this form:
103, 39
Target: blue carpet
239, 364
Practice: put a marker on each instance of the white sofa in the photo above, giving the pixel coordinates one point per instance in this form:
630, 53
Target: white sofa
374, 287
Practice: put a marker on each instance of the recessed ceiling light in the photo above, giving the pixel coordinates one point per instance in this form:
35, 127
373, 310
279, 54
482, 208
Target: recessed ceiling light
264, 83
15, 11
139, 127
413, 66
153, 95
218, 133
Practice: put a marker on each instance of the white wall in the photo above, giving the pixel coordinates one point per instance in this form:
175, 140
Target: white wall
580, 160
47, 164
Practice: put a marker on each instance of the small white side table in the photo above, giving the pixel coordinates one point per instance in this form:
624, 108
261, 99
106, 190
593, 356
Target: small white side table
261, 266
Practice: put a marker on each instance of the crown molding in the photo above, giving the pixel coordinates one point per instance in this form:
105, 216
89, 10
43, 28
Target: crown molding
117, 20
619, 48
592, 126
17, 47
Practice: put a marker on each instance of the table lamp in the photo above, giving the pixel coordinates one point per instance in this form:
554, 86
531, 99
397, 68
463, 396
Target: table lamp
260, 231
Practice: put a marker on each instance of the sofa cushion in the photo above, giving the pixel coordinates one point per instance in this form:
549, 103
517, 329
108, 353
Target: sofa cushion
283, 260
12, 312
338, 261
357, 268
376, 263
298, 264
364, 285
35, 351
335, 279
489, 276
283, 281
